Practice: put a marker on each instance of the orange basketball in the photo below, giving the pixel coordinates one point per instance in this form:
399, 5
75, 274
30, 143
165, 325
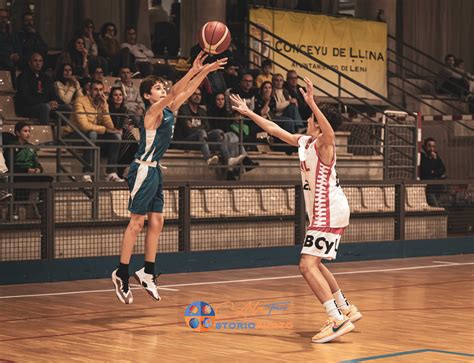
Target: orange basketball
214, 37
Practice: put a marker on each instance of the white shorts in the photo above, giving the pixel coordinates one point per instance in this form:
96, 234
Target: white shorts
322, 242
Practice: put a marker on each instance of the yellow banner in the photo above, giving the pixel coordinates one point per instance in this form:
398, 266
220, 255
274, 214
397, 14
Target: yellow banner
356, 48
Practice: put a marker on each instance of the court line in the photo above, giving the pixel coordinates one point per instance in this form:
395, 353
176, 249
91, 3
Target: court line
170, 287
397, 354
446, 262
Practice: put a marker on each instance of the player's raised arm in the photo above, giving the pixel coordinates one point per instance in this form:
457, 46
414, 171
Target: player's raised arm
195, 82
328, 136
239, 105
198, 66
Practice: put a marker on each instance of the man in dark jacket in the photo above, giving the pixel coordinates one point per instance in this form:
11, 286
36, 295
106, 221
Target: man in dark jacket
35, 95
294, 91
29, 40
432, 167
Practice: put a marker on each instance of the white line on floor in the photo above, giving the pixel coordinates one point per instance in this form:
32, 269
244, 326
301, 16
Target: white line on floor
446, 262
169, 287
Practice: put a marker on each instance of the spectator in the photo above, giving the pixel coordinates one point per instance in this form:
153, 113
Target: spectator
29, 40
77, 56
157, 14
222, 119
122, 122
231, 74
89, 36
9, 47
266, 73
91, 117
286, 105
25, 160
98, 74
142, 54
133, 102
294, 91
109, 48
450, 81
175, 14
192, 125
35, 96
67, 86
3, 167
86, 86
432, 167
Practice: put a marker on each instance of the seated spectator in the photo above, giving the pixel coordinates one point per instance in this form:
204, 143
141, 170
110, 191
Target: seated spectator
133, 102
157, 13
122, 122
192, 125
266, 73
432, 167
25, 160
92, 118
286, 105
231, 74
35, 96
76, 55
90, 37
142, 54
294, 91
67, 87
29, 40
109, 48
4, 194
222, 119
9, 46
450, 81
86, 86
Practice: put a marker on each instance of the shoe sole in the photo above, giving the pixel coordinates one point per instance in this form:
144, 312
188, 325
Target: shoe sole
347, 329
117, 292
149, 293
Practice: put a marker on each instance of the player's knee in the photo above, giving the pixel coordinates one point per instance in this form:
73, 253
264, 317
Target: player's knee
304, 266
136, 225
156, 221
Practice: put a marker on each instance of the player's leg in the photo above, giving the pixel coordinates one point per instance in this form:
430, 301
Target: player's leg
146, 275
121, 275
342, 303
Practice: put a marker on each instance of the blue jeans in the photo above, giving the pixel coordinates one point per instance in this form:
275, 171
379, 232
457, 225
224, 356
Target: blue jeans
43, 111
202, 136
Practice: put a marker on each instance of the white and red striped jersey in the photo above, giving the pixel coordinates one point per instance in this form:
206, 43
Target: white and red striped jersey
326, 203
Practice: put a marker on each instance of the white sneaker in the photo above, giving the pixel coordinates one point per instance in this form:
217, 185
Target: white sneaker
87, 178
148, 283
235, 160
213, 160
113, 177
122, 289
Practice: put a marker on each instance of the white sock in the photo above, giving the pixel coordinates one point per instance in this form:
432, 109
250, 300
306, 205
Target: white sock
332, 309
341, 300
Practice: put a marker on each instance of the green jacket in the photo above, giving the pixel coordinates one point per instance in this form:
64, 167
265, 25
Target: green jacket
24, 159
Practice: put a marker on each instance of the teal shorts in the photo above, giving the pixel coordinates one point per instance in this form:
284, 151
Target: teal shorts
146, 189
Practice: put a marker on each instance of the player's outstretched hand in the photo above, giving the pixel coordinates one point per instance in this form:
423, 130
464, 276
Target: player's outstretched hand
239, 105
308, 95
198, 64
218, 64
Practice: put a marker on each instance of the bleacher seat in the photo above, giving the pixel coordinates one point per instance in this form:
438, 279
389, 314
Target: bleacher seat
354, 197
373, 198
170, 209
7, 108
275, 201
40, 134
219, 203
6, 85
109, 82
416, 199
198, 204
247, 201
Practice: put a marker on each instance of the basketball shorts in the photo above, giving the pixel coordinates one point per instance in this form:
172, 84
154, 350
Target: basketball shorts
322, 242
146, 189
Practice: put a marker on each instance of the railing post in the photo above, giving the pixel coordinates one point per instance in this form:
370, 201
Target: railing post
48, 230
184, 217
386, 161
400, 211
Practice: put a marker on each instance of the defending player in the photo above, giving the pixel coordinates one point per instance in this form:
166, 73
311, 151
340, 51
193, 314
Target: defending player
326, 206
144, 178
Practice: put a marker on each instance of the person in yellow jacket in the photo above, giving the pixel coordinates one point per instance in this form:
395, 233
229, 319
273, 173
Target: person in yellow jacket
91, 117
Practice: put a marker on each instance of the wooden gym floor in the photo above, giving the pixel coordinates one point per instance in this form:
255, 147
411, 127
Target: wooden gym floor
415, 310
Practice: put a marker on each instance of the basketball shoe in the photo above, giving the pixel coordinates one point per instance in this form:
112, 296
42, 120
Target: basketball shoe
148, 282
332, 329
352, 313
122, 290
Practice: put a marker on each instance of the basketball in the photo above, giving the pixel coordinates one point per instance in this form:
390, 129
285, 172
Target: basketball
214, 37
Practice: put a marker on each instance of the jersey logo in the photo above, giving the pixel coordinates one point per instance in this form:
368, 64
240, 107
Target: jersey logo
306, 185
303, 166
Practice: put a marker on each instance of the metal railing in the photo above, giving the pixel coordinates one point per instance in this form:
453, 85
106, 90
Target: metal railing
221, 215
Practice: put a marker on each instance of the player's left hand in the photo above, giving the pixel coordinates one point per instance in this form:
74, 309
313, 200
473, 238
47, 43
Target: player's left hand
239, 105
218, 64
308, 95
198, 64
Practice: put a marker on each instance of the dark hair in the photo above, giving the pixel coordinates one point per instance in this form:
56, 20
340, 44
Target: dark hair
448, 56
111, 98
19, 126
130, 27
263, 84
332, 115
27, 13
86, 22
147, 84
427, 140
72, 44
103, 28
266, 63
95, 81
60, 72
